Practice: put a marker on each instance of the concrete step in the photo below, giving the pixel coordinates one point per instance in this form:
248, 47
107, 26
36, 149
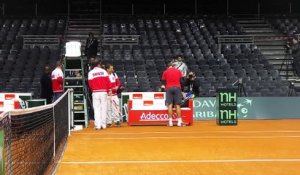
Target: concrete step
275, 56
296, 80
255, 28
84, 23
278, 62
290, 79
269, 43
258, 30
287, 73
279, 66
83, 20
84, 29
85, 26
76, 15
262, 34
271, 47
87, 11
249, 21
78, 32
255, 25
273, 52
80, 35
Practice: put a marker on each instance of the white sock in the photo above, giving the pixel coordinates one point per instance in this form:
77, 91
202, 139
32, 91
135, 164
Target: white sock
179, 120
170, 122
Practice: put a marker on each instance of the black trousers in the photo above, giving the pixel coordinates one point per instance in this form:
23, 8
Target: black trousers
296, 65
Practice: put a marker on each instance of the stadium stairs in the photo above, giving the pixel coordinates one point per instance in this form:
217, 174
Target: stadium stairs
79, 29
273, 49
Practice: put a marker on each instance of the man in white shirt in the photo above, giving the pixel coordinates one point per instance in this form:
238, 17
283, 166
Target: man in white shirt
114, 112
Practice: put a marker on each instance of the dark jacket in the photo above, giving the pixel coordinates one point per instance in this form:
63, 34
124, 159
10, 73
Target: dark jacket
296, 58
91, 47
191, 85
46, 86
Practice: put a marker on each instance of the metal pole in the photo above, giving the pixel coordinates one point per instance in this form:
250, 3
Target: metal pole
68, 9
132, 9
290, 7
100, 30
3, 9
258, 10
196, 7
164, 8
100, 14
227, 7
36, 9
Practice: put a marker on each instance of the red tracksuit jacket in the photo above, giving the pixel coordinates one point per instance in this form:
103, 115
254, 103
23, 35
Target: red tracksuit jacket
114, 82
98, 80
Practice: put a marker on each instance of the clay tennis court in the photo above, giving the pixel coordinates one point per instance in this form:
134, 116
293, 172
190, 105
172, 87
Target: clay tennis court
262, 147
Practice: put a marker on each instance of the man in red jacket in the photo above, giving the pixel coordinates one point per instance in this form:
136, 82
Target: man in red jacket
172, 78
100, 86
57, 78
114, 112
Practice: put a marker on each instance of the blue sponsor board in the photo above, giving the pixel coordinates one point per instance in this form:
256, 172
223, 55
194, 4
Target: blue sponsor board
205, 108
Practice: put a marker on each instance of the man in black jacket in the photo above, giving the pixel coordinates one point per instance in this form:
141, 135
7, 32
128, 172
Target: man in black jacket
191, 85
46, 85
91, 46
295, 48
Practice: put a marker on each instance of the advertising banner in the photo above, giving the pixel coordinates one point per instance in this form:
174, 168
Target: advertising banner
227, 107
205, 108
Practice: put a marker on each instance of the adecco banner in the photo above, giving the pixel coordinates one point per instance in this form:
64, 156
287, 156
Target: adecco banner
251, 108
248, 107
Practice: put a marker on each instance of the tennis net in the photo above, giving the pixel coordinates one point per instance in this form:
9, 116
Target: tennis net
34, 138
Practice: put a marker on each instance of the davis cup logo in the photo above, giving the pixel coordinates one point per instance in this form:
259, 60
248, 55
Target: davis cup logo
156, 117
244, 108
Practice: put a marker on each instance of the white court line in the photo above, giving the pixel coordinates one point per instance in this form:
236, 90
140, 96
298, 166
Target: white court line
179, 161
183, 132
192, 137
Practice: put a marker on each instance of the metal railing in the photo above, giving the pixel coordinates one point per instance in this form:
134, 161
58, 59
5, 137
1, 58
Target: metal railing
42, 40
120, 39
235, 39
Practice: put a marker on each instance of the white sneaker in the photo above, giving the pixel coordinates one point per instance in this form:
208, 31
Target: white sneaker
180, 124
170, 123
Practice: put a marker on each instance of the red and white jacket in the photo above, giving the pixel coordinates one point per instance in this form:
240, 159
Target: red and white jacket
57, 77
114, 82
98, 80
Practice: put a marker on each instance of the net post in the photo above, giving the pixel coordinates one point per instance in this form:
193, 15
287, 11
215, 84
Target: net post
70, 109
69, 112
54, 151
9, 146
